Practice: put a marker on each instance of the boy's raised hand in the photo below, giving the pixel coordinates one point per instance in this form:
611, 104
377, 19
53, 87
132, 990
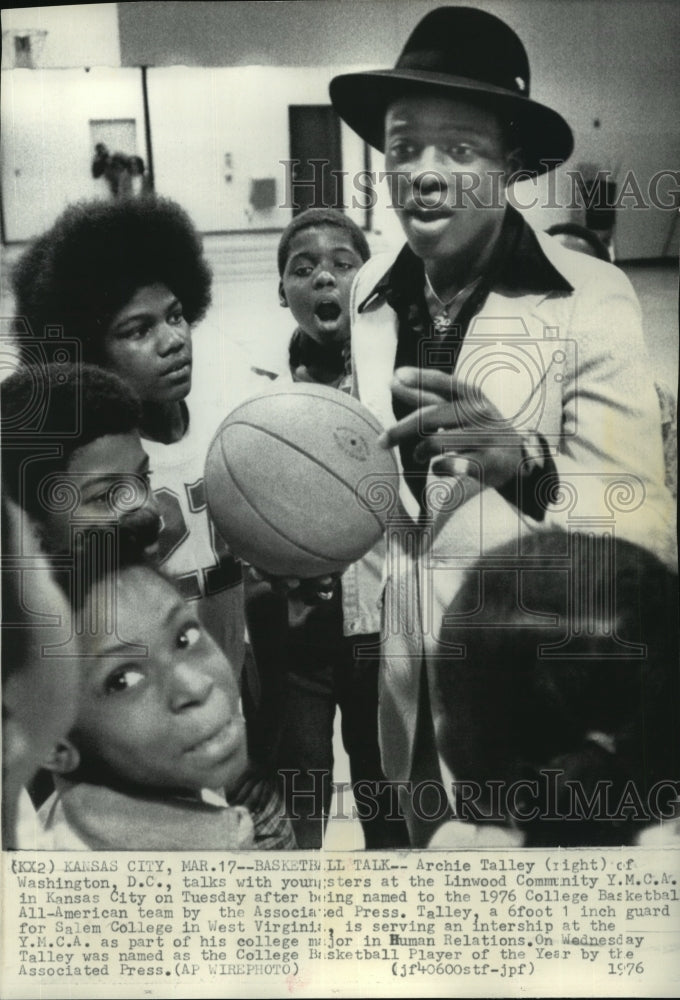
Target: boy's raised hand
464, 431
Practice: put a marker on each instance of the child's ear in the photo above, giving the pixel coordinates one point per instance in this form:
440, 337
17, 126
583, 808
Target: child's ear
63, 758
283, 301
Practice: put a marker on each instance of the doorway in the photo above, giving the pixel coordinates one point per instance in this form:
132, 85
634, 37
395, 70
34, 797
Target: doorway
119, 135
316, 178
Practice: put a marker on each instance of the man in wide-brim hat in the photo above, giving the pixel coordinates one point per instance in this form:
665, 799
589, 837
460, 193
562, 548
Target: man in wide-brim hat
515, 369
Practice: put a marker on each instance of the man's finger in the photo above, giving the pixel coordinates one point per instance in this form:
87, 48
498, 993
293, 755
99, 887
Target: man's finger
405, 429
422, 422
427, 379
435, 445
455, 465
420, 387
416, 395
430, 385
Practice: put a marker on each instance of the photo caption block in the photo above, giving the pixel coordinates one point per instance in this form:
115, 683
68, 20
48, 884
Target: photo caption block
536, 923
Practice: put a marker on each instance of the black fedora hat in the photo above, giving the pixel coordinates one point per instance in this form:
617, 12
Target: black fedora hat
469, 54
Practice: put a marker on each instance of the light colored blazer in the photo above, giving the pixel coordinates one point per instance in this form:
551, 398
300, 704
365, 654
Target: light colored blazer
571, 367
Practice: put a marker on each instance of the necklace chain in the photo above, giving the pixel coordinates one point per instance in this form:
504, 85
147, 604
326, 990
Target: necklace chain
442, 321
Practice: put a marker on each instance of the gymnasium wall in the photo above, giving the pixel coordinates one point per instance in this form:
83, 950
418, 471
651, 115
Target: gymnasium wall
611, 68
202, 116
47, 143
597, 61
84, 34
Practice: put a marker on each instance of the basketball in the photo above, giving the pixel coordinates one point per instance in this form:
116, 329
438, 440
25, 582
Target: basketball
296, 483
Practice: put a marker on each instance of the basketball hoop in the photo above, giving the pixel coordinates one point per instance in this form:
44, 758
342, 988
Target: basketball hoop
22, 48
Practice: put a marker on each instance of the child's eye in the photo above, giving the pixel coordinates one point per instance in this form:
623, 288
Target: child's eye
176, 317
100, 498
460, 151
303, 271
123, 679
100, 501
188, 636
345, 265
135, 332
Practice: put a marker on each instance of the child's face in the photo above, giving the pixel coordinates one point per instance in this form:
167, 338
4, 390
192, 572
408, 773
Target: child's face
166, 713
148, 344
40, 692
109, 482
322, 262
444, 148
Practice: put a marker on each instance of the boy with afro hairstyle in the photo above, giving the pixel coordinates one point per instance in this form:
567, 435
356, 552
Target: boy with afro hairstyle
97, 255
128, 280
